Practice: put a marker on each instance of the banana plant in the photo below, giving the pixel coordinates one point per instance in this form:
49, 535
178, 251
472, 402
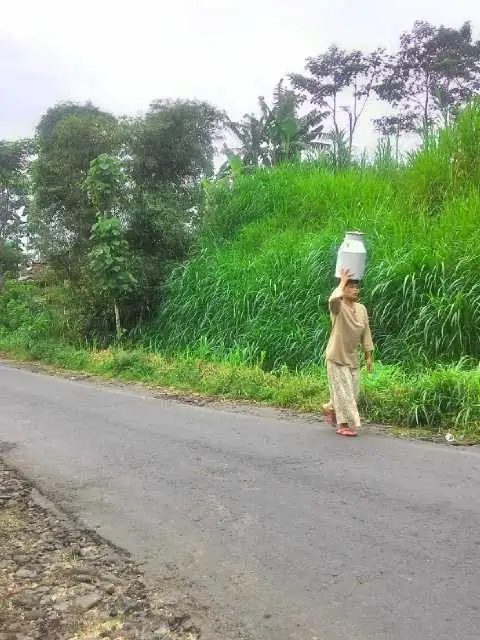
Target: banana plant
278, 133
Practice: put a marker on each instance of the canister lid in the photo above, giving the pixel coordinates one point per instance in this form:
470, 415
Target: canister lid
355, 233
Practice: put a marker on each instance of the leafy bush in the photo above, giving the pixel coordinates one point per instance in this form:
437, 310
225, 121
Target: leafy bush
24, 311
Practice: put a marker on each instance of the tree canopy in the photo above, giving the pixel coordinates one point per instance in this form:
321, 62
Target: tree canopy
434, 71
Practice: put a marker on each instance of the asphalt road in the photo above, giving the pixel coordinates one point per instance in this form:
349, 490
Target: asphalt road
280, 529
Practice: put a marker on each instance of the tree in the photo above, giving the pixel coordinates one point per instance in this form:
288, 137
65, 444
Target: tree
108, 260
251, 132
279, 134
105, 183
394, 126
436, 70
10, 257
13, 186
145, 172
170, 150
340, 153
51, 118
337, 76
160, 232
13, 200
289, 134
62, 214
173, 144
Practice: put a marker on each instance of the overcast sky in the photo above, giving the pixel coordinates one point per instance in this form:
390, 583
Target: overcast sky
223, 51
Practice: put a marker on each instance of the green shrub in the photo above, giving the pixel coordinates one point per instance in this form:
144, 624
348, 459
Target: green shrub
23, 311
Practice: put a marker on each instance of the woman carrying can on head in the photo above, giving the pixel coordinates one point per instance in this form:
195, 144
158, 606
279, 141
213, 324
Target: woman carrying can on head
350, 330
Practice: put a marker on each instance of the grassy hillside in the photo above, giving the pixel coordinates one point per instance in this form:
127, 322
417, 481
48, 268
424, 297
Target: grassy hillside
246, 317
259, 283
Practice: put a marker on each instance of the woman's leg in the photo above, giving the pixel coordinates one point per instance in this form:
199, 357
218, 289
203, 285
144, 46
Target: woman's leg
329, 413
344, 383
328, 408
356, 383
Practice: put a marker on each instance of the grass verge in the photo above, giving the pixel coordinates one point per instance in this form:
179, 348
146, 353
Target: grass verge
433, 401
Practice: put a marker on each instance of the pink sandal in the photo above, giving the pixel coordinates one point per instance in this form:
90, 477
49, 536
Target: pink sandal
346, 431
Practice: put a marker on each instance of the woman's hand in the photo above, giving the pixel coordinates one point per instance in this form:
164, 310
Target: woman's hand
345, 276
335, 299
369, 362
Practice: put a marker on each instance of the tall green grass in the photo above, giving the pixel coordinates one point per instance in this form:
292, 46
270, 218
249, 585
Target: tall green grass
262, 276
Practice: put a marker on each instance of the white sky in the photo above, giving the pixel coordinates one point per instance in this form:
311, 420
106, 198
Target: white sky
121, 56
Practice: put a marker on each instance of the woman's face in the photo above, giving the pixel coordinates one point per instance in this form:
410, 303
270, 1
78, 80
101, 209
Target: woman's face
351, 292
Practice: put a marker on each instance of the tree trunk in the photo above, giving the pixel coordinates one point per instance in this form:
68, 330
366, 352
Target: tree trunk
334, 113
351, 130
426, 107
352, 119
117, 321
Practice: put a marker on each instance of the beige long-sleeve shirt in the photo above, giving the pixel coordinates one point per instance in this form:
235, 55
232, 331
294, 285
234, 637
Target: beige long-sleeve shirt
350, 329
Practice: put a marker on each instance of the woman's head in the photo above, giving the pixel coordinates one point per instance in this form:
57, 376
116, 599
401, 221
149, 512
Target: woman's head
351, 291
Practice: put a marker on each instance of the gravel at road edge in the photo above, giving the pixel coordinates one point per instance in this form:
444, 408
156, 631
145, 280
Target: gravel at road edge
60, 582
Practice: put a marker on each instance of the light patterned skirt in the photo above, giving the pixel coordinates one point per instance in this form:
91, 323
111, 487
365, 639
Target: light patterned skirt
344, 386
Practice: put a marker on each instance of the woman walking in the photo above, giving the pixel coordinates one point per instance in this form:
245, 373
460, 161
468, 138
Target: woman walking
350, 330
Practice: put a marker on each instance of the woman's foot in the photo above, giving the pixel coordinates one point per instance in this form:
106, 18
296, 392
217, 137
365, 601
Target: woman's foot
329, 414
345, 430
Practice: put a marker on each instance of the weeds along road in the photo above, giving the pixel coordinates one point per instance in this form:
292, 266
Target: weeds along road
262, 527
